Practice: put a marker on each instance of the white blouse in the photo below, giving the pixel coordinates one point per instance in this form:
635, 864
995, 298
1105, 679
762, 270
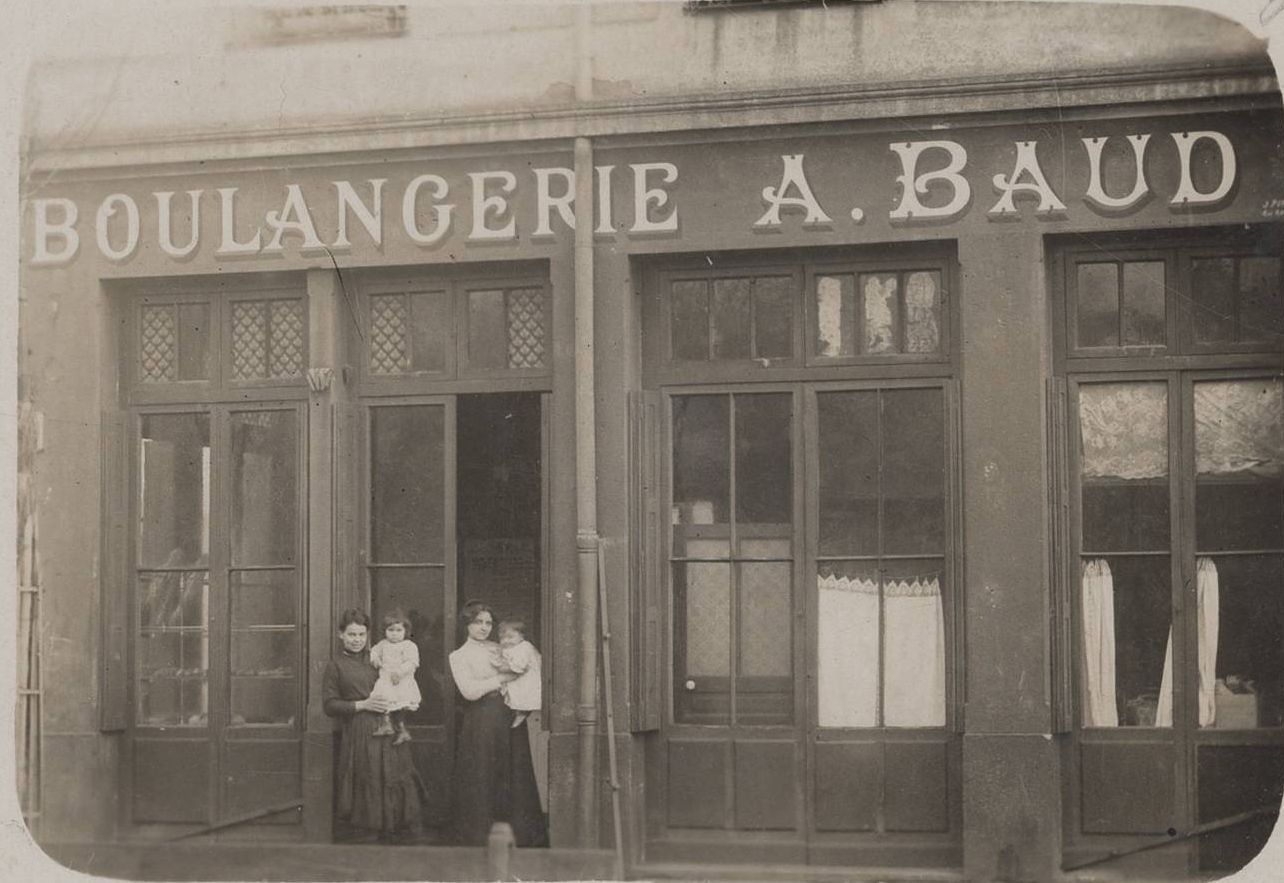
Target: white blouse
474, 668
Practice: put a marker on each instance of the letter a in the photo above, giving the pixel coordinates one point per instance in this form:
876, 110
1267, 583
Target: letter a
775, 198
1027, 163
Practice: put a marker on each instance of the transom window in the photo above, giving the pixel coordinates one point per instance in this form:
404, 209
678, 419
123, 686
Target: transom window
198, 342
454, 328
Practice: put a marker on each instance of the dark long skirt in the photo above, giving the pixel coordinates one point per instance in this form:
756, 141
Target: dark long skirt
379, 788
494, 776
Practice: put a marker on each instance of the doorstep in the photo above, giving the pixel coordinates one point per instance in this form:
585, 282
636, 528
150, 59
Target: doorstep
793, 873
320, 861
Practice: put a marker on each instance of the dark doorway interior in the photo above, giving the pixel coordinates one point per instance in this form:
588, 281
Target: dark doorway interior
499, 505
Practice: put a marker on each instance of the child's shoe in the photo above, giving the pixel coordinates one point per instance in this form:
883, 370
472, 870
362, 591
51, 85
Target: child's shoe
403, 735
517, 720
385, 726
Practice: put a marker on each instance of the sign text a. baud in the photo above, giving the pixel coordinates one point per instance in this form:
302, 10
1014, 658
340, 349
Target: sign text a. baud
487, 206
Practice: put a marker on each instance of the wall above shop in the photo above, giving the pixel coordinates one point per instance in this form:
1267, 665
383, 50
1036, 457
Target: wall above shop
213, 77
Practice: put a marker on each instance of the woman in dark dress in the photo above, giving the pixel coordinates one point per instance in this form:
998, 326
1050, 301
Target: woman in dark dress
494, 776
377, 786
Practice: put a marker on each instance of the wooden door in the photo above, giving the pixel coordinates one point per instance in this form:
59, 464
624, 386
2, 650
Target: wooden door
410, 564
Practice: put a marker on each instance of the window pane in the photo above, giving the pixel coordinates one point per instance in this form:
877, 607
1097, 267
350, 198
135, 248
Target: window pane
525, 328
158, 343
701, 467
265, 647
1241, 641
1239, 465
429, 323
731, 319
689, 321
847, 657
1123, 430
764, 462
1212, 284
913, 471
881, 313
171, 655
407, 484
1097, 302
174, 490
1126, 608
923, 312
773, 322
765, 682
193, 341
1261, 300
835, 315
702, 633
287, 338
420, 593
249, 340
849, 453
487, 330
389, 334
913, 643
1143, 303
265, 499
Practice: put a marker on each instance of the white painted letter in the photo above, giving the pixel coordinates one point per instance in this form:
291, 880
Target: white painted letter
1097, 191
1027, 163
229, 245
913, 184
1186, 193
545, 201
295, 207
604, 220
66, 231
644, 199
775, 197
441, 213
483, 204
163, 222
106, 212
370, 218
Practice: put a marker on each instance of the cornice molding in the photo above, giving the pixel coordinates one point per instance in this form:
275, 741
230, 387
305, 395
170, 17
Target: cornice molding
1144, 92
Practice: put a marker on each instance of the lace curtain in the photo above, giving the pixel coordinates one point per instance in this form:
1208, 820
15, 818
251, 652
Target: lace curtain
913, 664
1097, 686
1239, 427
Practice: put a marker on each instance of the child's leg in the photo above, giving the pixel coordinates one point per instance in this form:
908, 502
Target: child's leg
399, 720
385, 725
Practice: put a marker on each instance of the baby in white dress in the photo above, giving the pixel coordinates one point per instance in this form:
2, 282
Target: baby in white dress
397, 659
522, 694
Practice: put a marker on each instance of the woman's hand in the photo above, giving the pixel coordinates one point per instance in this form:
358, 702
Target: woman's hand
378, 706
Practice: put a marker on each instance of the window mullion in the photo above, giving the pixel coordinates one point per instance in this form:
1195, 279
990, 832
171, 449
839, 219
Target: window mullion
733, 583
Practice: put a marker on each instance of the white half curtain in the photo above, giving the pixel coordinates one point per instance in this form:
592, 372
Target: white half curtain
847, 649
1098, 683
1208, 597
914, 647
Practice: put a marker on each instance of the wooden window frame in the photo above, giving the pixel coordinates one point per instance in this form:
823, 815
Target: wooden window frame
456, 375
219, 294
1179, 365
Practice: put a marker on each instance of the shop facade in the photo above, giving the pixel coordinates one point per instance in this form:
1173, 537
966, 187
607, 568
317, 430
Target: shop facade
938, 459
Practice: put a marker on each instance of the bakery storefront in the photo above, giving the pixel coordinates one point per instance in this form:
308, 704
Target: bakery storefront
939, 477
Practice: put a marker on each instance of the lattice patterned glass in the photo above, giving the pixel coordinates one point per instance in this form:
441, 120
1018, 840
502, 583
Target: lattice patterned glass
526, 328
268, 339
389, 337
158, 344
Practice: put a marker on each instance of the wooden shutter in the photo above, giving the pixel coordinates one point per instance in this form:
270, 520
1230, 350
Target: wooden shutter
348, 460
113, 674
1059, 567
646, 670
954, 474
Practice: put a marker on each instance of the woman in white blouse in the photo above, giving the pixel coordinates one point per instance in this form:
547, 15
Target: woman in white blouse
494, 776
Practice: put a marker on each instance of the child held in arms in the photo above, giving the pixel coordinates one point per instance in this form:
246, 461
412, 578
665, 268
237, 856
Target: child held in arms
397, 659
520, 657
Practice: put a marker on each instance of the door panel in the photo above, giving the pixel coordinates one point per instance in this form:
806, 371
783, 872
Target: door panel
698, 784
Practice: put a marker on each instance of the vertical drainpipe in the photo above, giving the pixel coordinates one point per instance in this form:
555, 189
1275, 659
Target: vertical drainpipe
586, 537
